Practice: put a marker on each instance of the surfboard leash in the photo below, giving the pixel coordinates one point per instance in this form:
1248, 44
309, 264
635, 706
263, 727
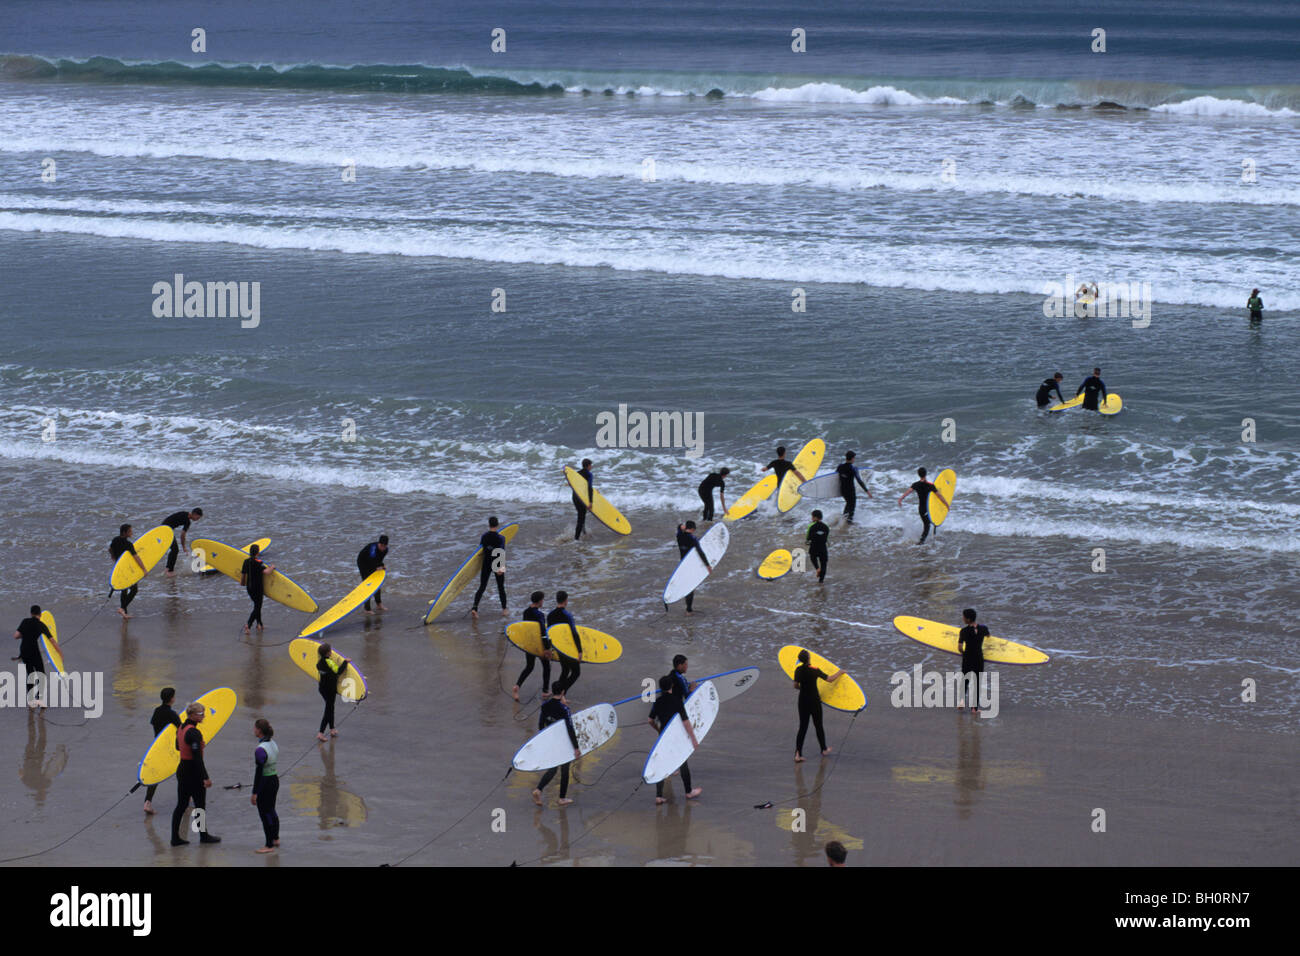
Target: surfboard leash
587, 832
92, 617
438, 836
28, 856
835, 761
582, 783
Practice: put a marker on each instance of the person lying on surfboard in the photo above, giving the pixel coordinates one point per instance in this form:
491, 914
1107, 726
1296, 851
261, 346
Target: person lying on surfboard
581, 506
1091, 388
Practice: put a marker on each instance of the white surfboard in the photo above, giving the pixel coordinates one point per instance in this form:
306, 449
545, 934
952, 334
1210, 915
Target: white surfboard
823, 486
690, 574
729, 684
552, 747
674, 746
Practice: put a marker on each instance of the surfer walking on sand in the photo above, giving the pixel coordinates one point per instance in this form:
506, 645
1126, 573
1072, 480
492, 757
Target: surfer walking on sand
1094, 391
29, 632
163, 717
116, 548
672, 702
570, 669
553, 711
686, 540
970, 644
192, 779
923, 488
266, 783
179, 520
369, 560
717, 479
849, 474
252, 575
493, 544
816, 537
810, 702
1044, 394
534, 613
330, 671
1256, 306
583, 506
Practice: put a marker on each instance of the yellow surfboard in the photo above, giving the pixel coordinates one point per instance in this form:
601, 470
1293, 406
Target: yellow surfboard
306, 652
463, 575
946, 482
527, 636
597, 646
350, 602
775, 565
1111, 406
806, 463
149, 547
162, 758
262, 545
604, 512
746, 504
844, 694
53, 653
230, 562
944, 637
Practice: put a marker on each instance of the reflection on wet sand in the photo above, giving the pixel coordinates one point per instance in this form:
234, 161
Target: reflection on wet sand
38, 771
332, 805
808, 840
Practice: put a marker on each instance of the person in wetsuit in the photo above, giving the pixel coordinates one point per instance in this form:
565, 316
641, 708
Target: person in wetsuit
782, 467
810, 702
1094, 391
849, 474
717, 479
116, 548
493, 544
191, 776
252, 575
29, 632
534, 613
181, 520
369, 560
682, 687
815, 538
163, 717
970, 643
553, 711
1053, 384
330, 671
583, 504
923, 489
1256, 306
671, 702
570, 669
686, 541
266, 783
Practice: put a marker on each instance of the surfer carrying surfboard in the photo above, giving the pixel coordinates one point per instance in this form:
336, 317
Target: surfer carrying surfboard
192, 779
849, 474
780, 466
494, 551
329, 670
672, 702
1053, 384
534, 613
553, 711
686, 540
29, 632
163, 717
252, 575
583, 506
810, 703
369, 560
570, 669
923, 488
717, 479
1094, 391
116, 548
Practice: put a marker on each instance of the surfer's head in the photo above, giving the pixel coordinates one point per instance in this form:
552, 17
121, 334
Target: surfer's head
36, 610
124, 531
850, 455
679, 663
817, 515
254, 550
666, 684
194, 712
262, 727
968, 615
167, 694
780, 451
537, 597
804, 656
558, 688
920, 472
324, 650
561, 598
492, 521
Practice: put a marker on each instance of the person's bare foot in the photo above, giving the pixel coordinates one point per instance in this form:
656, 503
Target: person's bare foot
515, 692
265, 849
565, 801
473, 612
276, 841
380, 607
974, 710
694, 793
537, 797
798, 758
367, 610
260, 629
826, 751
320, 737
148, 807
171, 574
660, 801
505, 612
246, 631
122, 613
333, 732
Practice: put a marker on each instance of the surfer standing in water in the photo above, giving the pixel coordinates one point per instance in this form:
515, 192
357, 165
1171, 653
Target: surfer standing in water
1256, 306
849, 474
553, 711
816, 538
782, 467
1044, 394
116, 548
369, 560
583, 506
330, 671
493, 544
810, 702
923, 489
686, 541
970, 644
1093, 388
717, 479
181, 520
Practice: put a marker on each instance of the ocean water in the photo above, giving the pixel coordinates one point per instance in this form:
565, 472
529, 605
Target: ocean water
648, 188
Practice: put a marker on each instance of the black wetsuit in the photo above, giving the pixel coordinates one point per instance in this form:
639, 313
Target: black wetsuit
685, 542
189, 780
118, 547
254, 573
848, 490
1044, 395
581, 504
714, 480
329, 688
665, 706
971, 639
818, 533
923, 489
369, 560
181, 520
570, 669
810, 705
1094, 392
535, 614
163, 717
1256, 306
781, 467
29, 648
553, 711
494, 546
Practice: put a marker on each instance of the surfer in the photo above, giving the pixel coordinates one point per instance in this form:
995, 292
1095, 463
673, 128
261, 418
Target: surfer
330, 670
818, 533
686, 540
583, 506
780, 466
1053, 384
553, 711
369, 560
570, 669
116, 548
717, 479
1091, 388
182, 520
191, 777
810, 702
849, 474
669, 703
266, 784
1085, 299
29, 633
163, 717
681, 686
923, 489
494, 552
1256, 306
970, 644
252, 576
534, 613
